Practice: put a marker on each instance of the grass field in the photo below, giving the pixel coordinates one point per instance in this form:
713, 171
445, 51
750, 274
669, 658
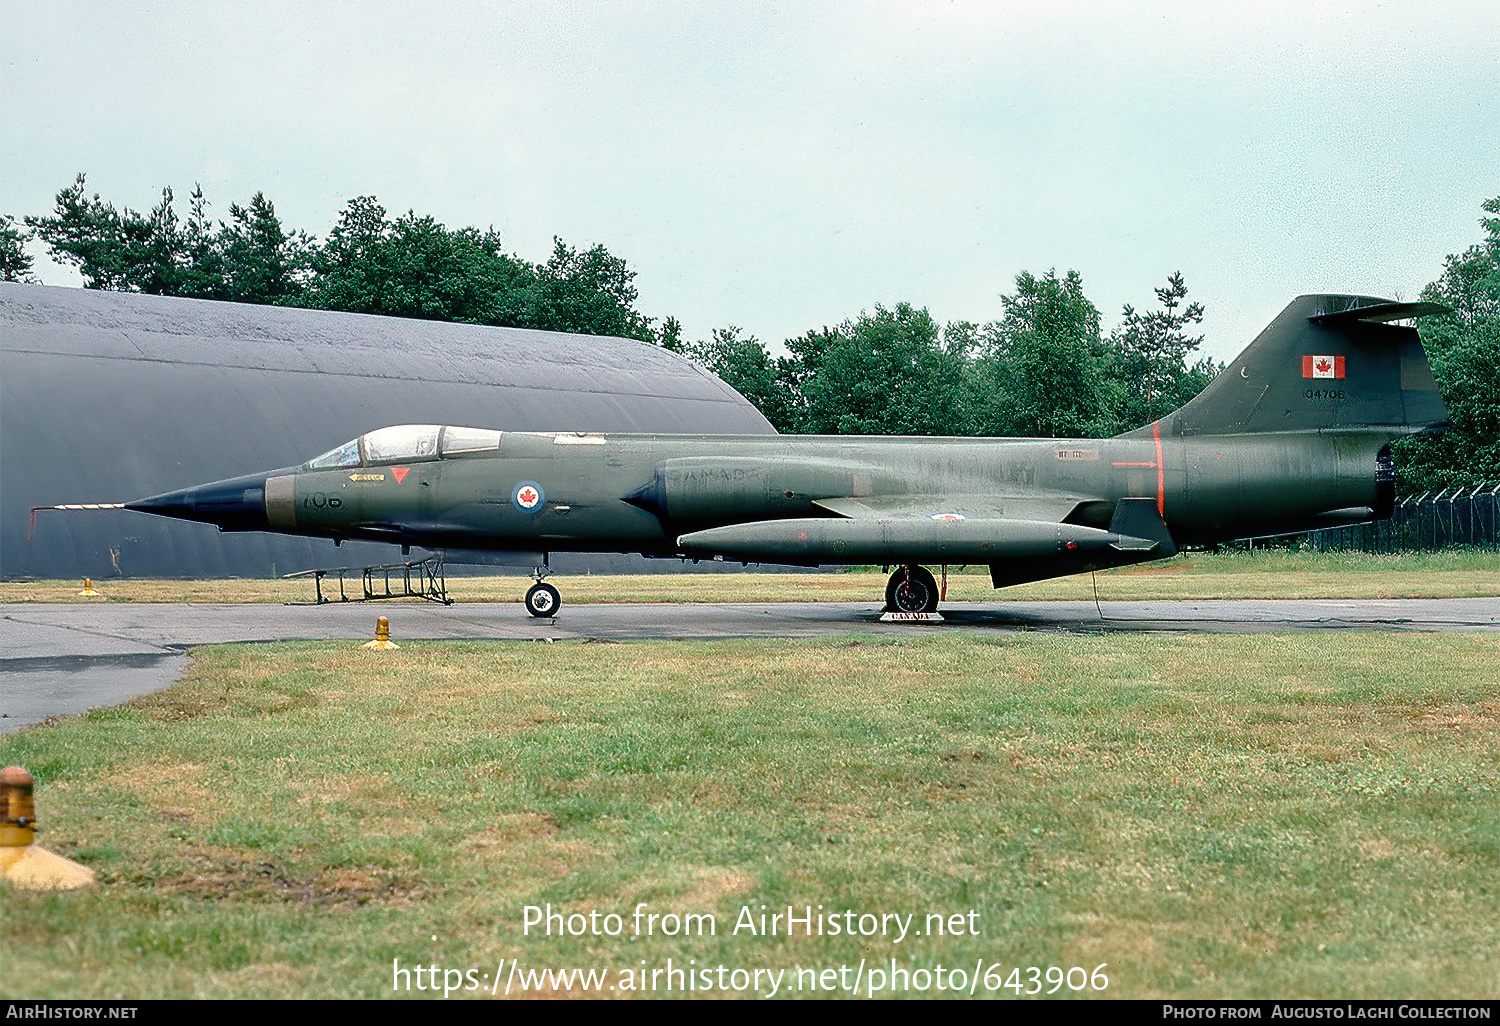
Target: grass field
1274, 573
1312, 815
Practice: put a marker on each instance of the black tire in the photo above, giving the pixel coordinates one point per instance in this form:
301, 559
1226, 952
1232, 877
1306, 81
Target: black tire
911, 589
543, 600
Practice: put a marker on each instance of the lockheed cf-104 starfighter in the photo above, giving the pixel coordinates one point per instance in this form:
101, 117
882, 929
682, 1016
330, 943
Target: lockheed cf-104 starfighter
1293, 435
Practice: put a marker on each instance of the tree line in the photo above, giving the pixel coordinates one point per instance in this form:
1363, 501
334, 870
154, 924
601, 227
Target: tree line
1046, 367
1463, 347
407, 266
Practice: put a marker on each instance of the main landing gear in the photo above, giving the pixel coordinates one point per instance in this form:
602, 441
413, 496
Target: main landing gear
542, 600
911, 589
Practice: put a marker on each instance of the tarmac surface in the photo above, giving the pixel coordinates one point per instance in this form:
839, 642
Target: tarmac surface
57, 660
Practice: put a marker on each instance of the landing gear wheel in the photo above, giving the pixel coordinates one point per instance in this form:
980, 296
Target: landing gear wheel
912, 589
543, 600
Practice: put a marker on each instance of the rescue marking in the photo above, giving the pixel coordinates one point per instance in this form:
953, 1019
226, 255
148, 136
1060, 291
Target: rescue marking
1078, 454
1161, 473
1322, 366
528, 497
367, 477
400, 473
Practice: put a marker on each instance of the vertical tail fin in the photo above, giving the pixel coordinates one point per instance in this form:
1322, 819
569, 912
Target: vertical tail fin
1327, 362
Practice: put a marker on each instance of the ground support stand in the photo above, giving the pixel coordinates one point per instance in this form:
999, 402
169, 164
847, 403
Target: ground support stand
423, 579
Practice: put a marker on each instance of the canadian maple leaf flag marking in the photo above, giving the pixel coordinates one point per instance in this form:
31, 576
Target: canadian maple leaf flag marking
1322, 366
528, 497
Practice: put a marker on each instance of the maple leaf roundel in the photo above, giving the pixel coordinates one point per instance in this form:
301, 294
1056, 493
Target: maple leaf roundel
528, 497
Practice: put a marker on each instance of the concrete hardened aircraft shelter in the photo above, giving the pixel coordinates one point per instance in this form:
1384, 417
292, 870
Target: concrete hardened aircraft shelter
109, 396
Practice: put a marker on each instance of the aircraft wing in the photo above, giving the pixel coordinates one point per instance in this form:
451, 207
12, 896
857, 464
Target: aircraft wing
1040, 507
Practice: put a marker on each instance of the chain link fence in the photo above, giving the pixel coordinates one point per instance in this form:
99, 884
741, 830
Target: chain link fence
1466, 516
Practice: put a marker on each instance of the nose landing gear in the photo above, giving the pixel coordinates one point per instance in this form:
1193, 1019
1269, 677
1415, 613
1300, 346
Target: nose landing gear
911, 589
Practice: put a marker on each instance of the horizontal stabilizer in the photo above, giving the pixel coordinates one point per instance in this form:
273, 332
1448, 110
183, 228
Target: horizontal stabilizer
1380, 313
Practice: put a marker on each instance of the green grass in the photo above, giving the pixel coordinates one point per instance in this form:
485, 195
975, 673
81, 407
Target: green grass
1263, 573
1312, 815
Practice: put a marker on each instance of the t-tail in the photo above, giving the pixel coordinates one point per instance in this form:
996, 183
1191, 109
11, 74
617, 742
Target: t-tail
1326, 363
1295, 434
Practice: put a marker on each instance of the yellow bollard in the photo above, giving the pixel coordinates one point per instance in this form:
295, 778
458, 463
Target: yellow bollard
382, 636
23, 863
88, 589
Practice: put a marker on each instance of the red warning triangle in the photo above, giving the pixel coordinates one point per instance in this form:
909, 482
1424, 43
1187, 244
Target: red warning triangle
400, 473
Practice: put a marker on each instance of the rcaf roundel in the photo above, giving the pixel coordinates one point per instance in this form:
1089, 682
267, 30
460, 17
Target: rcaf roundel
528, 497
1322, 366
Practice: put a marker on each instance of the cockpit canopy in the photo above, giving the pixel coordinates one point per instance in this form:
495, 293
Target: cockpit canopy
406, 443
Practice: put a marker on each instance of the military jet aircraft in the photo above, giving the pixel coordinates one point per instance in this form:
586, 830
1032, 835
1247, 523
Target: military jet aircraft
1294, 435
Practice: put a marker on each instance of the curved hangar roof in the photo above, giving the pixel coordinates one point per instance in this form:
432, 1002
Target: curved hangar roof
108, 396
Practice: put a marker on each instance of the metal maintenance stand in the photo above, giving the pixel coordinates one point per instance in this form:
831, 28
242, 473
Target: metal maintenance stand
430, 583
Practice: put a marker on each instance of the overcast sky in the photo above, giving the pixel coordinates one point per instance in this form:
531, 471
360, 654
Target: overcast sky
783, 166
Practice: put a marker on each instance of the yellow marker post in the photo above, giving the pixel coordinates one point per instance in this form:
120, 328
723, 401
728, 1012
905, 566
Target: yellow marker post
382, 636
23, 863
88, 589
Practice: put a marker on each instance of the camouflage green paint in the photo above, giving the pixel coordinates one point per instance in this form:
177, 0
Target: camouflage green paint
1292, 436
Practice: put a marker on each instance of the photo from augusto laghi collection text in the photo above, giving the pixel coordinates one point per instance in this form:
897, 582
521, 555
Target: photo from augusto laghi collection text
867, 977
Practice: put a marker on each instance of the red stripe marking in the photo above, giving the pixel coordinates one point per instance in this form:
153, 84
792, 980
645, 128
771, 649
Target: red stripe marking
1161, 473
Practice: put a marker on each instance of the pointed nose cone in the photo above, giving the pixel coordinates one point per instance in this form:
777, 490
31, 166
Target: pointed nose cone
238, 504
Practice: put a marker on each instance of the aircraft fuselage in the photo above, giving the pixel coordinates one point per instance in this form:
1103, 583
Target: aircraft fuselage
1206, 489
1293, 435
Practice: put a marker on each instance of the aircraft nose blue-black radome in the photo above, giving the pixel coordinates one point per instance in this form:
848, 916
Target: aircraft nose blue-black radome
1294, 435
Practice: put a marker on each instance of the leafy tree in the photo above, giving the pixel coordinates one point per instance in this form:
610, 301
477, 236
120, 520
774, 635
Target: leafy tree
743, 363
203, 277
15, 262
259, 261
669, 335
410, 267
1463, 347
250, 259
884, 373
1150, 357
590, 292
154, 249
1042, 368
415, 267
114, 249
